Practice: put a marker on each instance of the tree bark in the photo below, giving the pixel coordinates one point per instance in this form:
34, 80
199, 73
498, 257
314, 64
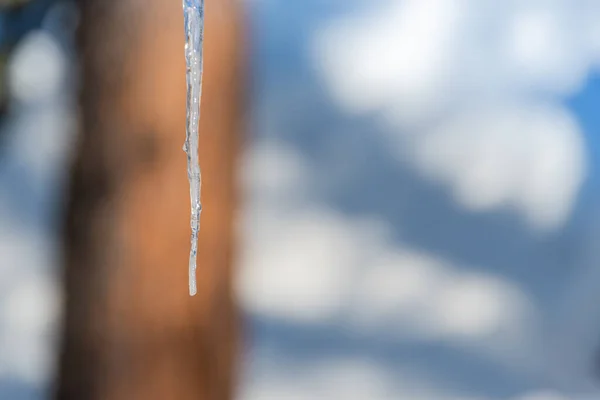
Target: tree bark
130, 330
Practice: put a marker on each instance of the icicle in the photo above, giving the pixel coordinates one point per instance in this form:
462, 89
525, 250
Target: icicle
194, 33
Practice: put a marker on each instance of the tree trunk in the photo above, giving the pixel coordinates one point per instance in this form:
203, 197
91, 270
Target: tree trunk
131, 331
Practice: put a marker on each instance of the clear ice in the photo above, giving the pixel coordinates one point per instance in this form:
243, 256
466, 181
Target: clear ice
193, 11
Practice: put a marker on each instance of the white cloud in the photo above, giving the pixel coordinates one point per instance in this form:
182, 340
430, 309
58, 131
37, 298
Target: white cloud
399, 56
539, 49
298, 259
43, 122
527, 158
332, 378
345, 377
543, 395
474, 306
396, 284
481, 75
38, 68
299, 266
29, 307
423, 296
314, 265
275, 173
43, 138
41, 127
470, 91
310, 264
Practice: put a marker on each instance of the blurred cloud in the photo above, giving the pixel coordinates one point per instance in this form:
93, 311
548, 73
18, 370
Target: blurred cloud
349, 378
362, 286
403, 49
543, 395
300, 269
470, 92
276, 172
300, 264
344, 378
307, 264
395, 57
38, 68
299, 258
29, 307
434, 300
529, 158
43, 118
39, 130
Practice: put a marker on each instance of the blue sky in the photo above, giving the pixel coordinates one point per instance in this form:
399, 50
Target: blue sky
380, 265
585, 105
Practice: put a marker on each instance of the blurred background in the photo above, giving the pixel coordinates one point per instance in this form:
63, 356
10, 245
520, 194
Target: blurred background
420, 204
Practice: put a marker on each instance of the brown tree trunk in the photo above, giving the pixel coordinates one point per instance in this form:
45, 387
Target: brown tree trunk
131, 331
